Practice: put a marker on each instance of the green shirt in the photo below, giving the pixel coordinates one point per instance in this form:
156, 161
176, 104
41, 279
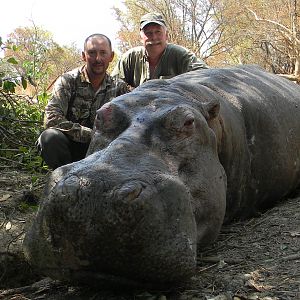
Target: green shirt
133, 67
73, 104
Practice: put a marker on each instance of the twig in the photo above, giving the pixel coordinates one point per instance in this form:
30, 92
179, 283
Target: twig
14, 239
2, 129
27, 288
3, 149
217, 247
9, 254
216, 259
291, 257
207, 268
10, 160
292, 294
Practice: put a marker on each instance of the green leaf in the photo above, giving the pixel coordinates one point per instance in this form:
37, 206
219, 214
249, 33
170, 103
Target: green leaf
24, 83
34, 179
12, 60
23, 149
9, 86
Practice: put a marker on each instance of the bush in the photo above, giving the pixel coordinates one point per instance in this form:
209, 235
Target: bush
21, 118
20, 126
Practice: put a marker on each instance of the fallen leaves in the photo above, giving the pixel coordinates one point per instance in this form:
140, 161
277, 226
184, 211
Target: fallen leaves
5, 197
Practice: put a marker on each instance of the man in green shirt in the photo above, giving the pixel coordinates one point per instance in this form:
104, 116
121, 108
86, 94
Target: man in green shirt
156, 58
76, 96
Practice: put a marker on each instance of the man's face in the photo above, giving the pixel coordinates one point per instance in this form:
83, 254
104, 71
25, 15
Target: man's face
154, 36
97, 56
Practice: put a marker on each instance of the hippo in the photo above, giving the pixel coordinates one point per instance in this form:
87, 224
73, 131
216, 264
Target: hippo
169, 163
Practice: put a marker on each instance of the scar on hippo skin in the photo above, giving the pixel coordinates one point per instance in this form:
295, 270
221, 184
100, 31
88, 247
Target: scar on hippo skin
110, 121
168, 165
109, 118
106, 113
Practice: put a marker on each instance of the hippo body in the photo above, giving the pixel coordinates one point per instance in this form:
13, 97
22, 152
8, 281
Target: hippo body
169, 163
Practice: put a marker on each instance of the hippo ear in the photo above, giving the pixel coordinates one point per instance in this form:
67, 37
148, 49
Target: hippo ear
212, 109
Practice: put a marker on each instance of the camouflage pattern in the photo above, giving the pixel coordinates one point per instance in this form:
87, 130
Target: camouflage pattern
133, 67
73, 104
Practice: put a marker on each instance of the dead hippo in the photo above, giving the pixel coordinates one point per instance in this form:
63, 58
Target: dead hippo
168, 164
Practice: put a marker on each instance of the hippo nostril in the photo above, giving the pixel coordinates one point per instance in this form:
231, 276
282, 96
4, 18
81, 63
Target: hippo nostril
130, 191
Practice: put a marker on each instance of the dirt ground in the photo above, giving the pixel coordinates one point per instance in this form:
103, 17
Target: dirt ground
255, 259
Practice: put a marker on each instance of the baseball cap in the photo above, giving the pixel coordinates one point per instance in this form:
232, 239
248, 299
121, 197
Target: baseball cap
152, 18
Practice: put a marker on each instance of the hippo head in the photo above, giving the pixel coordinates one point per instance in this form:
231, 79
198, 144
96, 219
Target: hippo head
150, 191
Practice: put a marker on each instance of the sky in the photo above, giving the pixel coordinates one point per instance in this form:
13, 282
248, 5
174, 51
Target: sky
69, 21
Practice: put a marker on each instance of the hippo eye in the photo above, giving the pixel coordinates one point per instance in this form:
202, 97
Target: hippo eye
189, 122
180, 121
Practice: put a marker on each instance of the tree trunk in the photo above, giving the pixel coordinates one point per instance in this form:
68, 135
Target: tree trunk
297, 67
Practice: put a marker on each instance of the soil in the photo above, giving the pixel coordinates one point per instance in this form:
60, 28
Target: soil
255, 259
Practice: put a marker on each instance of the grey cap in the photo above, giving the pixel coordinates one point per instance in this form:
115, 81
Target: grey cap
152, 18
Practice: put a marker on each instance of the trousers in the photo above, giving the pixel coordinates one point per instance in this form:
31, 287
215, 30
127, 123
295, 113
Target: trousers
57, 149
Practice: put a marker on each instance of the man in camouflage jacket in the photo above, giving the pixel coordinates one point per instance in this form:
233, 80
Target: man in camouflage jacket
76, 96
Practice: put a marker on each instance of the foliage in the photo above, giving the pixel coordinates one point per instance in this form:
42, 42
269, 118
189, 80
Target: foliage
20, 125
25, 207
261, 32
39, 57
20, 115
32, 62
9, 77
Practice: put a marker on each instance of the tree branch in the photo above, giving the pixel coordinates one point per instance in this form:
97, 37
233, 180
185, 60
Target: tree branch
286, 31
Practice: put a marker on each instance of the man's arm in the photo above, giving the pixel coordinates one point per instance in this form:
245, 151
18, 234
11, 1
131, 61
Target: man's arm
119, 70
57, 109
196, 63
182, 60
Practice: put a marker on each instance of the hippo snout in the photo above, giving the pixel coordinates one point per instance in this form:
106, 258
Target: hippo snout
136, 229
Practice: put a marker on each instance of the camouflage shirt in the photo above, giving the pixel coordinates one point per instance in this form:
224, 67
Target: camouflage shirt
73, 104
133, 67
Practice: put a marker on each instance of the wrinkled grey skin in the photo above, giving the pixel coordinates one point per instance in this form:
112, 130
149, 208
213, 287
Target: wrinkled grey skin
168, 164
